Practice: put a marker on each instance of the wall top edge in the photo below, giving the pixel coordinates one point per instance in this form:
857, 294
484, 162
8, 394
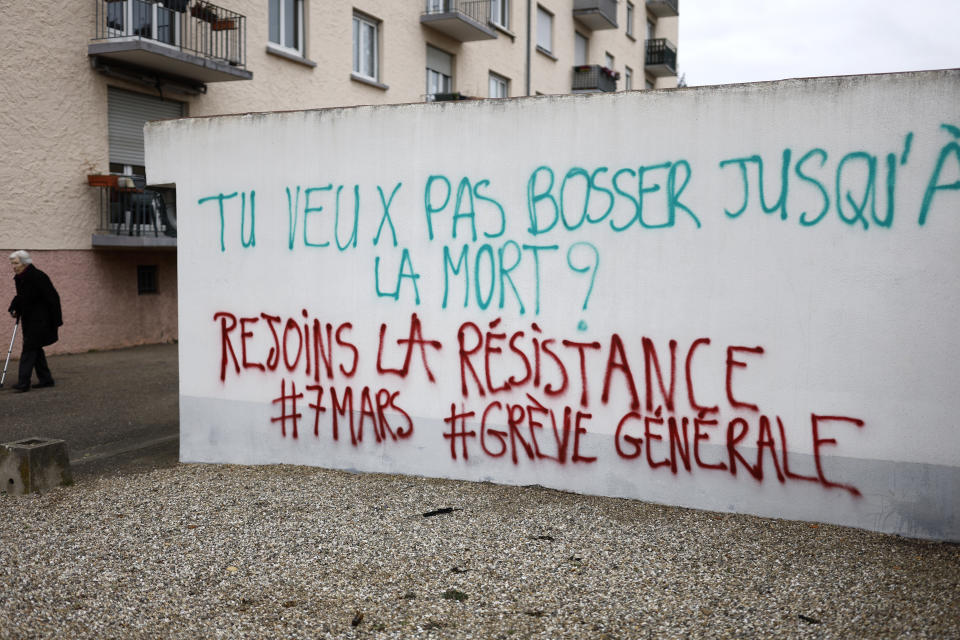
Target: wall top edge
840, 81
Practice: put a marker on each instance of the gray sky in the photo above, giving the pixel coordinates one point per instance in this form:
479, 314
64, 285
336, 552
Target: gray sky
724, 41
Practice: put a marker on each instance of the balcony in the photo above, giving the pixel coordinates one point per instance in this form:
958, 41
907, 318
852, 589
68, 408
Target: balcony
132, 216
462, 20
594, 78
183, 44
664, 8
661, 58
596, 14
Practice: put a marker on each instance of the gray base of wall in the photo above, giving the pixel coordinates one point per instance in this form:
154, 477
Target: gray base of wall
909, 499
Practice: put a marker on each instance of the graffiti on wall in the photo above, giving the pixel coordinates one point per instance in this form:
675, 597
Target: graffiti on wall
493, 267
492, 253
662, 425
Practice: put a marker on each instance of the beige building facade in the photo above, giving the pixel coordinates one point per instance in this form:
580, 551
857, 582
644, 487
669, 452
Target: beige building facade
80, 81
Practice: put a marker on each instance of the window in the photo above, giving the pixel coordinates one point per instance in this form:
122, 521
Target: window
146, 279
544, 30
499, 86
145, 19
439, 72
630, 19
627, 78
649, 83
366, 52
650, 29
608, 61
127, 112
580, 47
286, 24
500, 13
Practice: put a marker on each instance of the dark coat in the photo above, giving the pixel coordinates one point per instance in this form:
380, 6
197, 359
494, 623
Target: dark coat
38, 306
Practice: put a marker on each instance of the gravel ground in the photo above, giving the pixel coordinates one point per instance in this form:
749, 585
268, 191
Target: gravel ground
210, 551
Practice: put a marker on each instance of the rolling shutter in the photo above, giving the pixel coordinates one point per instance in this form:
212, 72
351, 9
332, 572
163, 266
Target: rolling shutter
127, 112
439, 61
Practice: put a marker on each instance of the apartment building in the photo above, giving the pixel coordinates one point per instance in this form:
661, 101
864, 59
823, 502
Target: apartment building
81, 80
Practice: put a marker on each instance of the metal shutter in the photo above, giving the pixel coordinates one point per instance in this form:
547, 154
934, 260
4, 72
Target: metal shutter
126, 114
439, 61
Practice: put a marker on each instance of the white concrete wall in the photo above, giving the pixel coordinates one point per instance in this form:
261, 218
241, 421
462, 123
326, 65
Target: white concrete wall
799, 362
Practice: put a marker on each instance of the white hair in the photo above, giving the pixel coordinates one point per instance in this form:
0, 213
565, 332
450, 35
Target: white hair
22, 255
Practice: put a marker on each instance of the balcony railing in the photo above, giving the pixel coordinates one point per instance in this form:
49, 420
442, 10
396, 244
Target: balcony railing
664, 8
661, 57
190, 39
596, 14
462, 20
594, 78
447, 97
132, 215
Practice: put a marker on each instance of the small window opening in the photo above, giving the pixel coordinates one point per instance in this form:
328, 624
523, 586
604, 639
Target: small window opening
146, 279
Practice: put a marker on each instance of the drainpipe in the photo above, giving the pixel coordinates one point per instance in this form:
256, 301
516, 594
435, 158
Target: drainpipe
529, 27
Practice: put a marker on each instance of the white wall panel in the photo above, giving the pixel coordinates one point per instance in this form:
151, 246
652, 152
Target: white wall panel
780, 344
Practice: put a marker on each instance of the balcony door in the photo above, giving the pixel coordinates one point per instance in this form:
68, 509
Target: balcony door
580, 46
143, 19
439, 72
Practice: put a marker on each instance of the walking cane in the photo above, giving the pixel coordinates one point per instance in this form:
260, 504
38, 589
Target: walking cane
12, 338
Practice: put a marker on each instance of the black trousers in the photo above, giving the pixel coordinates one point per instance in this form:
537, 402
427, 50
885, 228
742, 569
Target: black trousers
31, 359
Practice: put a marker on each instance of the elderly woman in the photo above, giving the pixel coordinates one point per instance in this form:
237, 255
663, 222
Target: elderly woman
37, 307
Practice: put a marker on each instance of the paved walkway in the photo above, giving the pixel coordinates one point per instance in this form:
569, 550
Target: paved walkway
116, 410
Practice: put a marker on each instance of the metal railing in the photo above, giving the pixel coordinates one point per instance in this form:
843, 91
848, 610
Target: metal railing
593, 77
192, 26
477, 10
661, 51
447, 97
128, 208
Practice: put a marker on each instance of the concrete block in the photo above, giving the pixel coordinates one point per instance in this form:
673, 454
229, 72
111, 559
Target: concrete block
33, 465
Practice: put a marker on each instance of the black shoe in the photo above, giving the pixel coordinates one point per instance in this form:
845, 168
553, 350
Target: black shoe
22, 388
41, 385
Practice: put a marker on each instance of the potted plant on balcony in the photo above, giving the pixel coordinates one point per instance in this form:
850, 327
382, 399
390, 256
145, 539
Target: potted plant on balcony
223, 24
102, 180
202, 12
610, 73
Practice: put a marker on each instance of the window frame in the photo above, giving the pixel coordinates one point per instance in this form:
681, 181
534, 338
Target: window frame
631, 13
627, 78
148, 280
503, 8
543, 12
445, 84
300, 50
154, 9
495, 79
578, 38
359, 21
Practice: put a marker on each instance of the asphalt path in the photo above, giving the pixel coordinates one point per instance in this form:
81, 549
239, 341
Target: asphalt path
117, 410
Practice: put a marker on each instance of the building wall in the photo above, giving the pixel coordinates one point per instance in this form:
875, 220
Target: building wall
280, 83
98, 295
53, 124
